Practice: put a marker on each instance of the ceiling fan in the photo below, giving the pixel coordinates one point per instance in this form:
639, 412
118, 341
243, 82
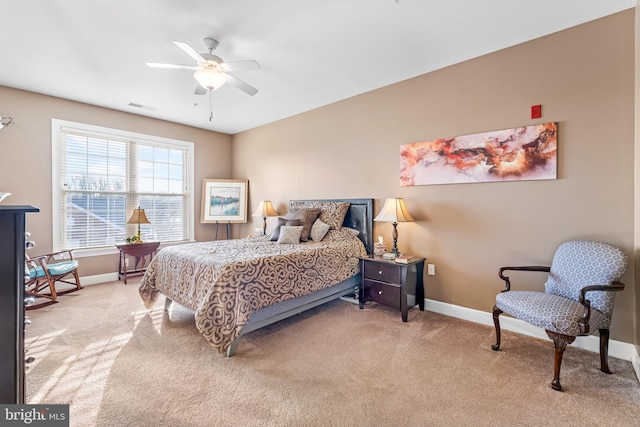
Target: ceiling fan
210, 71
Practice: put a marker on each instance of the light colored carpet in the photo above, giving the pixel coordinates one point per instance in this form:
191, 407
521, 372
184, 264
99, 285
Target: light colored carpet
118, 364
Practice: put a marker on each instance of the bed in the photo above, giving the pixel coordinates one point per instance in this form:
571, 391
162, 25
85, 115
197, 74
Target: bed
237, 286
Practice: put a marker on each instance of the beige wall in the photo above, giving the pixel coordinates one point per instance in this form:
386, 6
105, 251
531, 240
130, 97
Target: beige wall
25, 159
584, 79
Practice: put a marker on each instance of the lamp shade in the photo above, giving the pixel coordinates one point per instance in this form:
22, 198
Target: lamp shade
265, 209
394, 210
138, 217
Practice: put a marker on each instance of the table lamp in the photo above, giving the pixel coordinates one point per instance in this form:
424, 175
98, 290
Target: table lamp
394, 211
265, 209
138, 217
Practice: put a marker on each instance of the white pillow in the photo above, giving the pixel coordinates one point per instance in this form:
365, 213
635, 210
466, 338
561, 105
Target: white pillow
290, 234
319, 230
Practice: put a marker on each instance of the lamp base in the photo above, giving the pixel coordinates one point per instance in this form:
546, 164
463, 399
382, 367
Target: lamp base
394, 235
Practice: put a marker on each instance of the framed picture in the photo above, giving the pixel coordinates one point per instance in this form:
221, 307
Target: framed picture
224, 200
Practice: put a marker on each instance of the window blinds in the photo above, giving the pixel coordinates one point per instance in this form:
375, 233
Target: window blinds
103, 177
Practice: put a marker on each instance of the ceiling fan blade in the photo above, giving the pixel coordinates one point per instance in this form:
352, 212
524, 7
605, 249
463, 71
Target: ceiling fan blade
172, 66
190, 51
240, 65
200, 90
246, 88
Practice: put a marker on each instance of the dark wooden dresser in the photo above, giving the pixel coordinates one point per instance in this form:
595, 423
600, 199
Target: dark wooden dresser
12, 247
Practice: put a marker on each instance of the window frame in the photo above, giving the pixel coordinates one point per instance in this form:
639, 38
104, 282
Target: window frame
57, 127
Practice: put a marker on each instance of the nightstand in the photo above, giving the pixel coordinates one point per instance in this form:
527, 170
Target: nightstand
389, 283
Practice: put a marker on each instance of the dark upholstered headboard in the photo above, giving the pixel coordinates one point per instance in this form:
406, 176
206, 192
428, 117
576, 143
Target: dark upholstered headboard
359, 216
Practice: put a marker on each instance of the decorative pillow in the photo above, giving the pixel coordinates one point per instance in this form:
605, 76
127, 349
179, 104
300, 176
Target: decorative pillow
319, 230
331, 213
281, 222
294, 214
290, 234
307, 217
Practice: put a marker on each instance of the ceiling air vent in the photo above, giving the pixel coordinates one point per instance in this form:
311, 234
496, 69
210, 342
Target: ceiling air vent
144, 107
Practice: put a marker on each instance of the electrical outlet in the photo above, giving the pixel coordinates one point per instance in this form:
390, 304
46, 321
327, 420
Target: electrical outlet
126, 262
431, 269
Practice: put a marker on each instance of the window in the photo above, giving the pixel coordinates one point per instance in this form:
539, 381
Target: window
101, 175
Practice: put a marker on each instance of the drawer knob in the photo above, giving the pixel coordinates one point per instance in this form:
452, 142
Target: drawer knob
379, 292
379, 271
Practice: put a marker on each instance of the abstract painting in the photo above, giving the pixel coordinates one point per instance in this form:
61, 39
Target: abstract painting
522, 153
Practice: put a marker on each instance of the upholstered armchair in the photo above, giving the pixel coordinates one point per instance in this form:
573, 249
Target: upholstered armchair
47, 273
578, 297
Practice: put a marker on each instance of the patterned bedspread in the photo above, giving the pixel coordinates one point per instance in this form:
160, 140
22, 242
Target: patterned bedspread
225, 281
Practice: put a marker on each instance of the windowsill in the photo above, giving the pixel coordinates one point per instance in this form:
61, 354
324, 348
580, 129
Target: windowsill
93, 252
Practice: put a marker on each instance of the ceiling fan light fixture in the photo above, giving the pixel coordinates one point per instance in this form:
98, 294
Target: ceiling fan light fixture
210, 78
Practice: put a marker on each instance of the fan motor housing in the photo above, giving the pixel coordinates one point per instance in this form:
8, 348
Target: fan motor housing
211, 57
210, 43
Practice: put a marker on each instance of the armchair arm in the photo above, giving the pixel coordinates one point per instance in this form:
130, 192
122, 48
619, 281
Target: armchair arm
66, 255
526, 268
614, 286
33, 263
586, 314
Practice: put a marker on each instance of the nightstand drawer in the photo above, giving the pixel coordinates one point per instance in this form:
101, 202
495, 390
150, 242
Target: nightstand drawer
383, 293
384, 272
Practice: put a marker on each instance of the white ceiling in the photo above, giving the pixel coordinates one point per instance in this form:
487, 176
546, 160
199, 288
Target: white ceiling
311, 52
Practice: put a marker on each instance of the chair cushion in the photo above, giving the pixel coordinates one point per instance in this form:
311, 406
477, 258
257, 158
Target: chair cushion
551, 312
581, 263
54, 269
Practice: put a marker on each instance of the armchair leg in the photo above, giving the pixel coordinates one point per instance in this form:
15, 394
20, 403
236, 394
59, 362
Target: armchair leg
560, 341
604, 351
77, 278
47, 300
75, 283
496, 321
35, 289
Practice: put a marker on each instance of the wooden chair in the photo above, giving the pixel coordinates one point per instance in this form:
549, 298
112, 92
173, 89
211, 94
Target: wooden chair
45, 272
578, 297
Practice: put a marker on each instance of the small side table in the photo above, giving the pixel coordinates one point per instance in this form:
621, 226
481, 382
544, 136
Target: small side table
389, 282
140, 251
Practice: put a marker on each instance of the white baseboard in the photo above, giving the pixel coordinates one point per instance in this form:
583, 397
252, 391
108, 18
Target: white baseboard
635, 361
99, 278
617, 349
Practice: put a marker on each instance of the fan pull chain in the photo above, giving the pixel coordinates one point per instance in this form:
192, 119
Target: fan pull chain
210, 106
